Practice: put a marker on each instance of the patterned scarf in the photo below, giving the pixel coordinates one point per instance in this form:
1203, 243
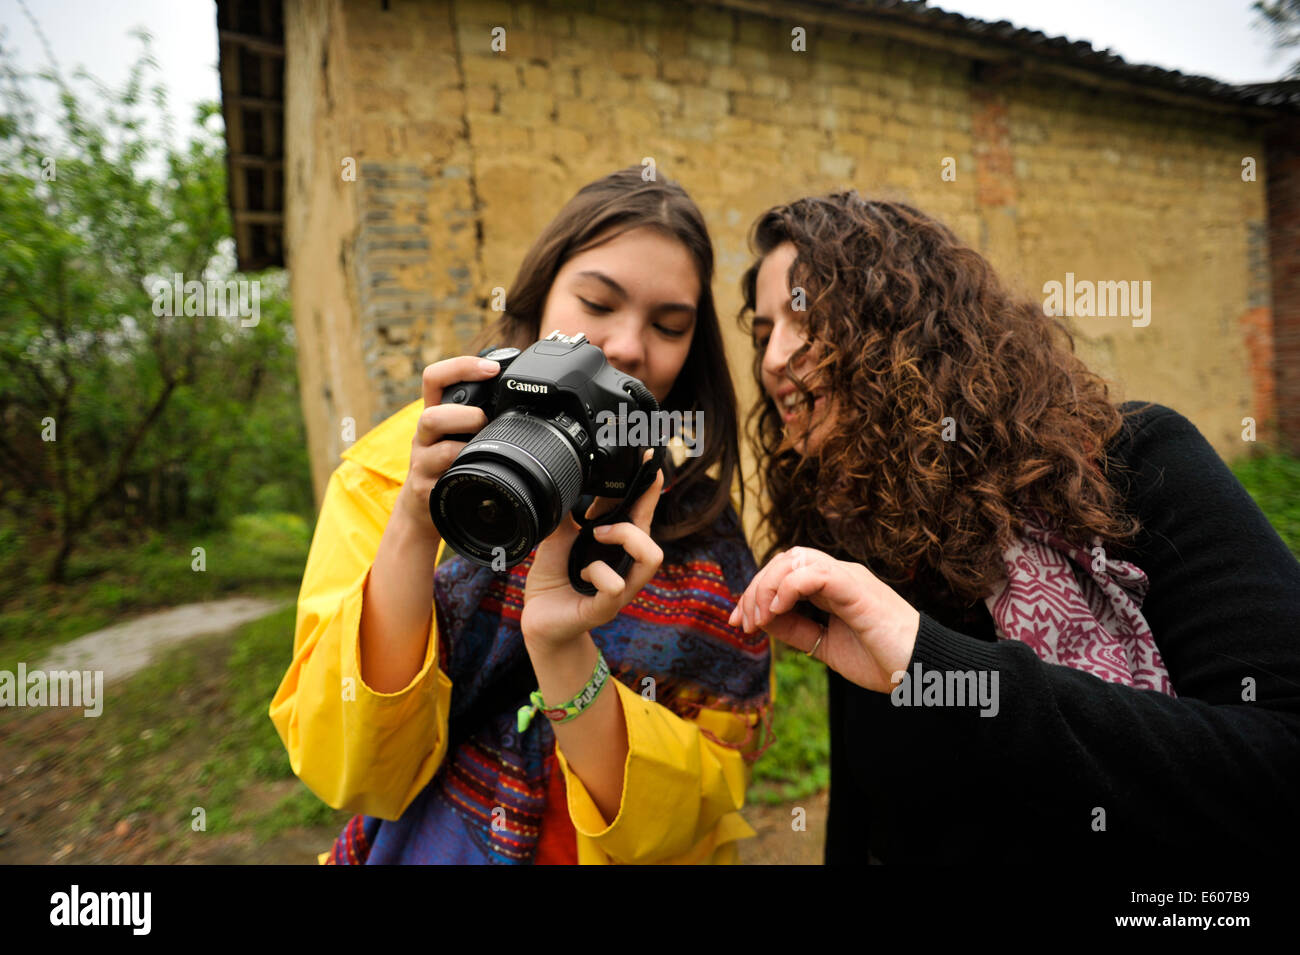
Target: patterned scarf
1078, 609
485, 803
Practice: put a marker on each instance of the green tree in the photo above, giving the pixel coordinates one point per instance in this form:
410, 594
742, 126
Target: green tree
132, 399
1282, 19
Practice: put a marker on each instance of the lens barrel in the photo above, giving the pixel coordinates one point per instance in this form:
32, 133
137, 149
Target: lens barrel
508, 489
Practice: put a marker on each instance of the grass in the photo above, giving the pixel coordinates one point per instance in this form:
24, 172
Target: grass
189, 732
797, 764
250, 749
1273, 480
109, 580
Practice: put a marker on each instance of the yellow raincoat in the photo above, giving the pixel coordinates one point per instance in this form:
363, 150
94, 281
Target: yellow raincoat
373, 753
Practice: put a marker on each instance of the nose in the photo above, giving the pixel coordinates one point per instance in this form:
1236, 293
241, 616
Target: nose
624, 346
783, 343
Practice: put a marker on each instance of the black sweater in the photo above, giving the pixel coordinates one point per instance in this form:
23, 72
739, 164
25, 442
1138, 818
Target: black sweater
1203, 775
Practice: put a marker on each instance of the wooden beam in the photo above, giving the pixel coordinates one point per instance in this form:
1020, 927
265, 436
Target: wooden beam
247, 160
250, 102
258, 217
255, 43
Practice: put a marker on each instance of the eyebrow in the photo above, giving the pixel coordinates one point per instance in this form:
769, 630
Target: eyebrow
784, 305
622, 293
614, 286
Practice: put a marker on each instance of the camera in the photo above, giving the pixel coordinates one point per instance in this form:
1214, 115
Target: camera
545, 448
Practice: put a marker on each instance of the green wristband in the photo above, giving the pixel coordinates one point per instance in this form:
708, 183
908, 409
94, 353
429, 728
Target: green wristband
568, 711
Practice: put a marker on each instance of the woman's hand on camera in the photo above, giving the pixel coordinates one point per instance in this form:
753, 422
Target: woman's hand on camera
554, 613
431, 455
871, 632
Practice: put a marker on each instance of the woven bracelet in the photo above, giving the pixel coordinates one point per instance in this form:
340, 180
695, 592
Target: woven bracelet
562, 714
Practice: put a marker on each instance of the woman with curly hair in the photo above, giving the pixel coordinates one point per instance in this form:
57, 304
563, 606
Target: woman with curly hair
1055, 628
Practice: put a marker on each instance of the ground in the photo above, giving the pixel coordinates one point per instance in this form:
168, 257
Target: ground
122, 788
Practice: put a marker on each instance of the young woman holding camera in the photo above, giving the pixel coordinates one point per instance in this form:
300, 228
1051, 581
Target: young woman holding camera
949, 483
403, 698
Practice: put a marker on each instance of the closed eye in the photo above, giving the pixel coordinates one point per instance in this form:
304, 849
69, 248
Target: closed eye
600, 309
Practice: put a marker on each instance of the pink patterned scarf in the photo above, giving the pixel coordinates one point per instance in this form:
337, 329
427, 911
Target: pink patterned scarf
1078, 609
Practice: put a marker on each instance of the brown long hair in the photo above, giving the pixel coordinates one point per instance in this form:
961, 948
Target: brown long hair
623, 201
911, 327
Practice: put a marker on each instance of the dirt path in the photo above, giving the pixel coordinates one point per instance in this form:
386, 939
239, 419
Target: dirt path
124, 648
779, 842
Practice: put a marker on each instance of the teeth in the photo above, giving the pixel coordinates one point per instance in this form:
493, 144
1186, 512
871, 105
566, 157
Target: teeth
791, 400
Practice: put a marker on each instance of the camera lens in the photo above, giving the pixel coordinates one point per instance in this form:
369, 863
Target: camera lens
492, 519
479, 507
507, 490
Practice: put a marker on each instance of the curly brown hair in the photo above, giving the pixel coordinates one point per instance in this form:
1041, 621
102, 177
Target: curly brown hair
910, 327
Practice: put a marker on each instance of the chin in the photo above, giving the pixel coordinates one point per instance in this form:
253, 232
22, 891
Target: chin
803, 445
806, 444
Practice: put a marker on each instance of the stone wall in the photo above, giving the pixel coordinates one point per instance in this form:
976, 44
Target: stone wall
462, 154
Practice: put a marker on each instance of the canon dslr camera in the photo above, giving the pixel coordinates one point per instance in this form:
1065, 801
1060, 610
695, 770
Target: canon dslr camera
542, 452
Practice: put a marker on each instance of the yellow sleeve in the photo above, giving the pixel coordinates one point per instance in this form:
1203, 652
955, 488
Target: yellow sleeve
682, 792
356, 749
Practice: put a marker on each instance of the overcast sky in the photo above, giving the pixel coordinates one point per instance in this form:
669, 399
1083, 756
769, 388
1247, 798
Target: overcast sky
1215, 38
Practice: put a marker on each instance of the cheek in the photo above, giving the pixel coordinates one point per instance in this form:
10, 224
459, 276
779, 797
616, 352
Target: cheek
665, 366
561, 315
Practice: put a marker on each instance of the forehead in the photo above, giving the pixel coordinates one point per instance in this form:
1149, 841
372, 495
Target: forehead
643, 261
771, 285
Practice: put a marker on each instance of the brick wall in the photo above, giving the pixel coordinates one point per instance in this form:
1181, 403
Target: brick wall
462, 155
1284, 275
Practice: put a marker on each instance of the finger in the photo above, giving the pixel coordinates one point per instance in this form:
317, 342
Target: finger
737, 618
828, 584
806, 582
646, 556
643, 511
768, 587
437, 421
638, 544
440, 374
797, 631
603, 577
737, 613
760, 595
745, 607
601, 506
775, 571
432, 462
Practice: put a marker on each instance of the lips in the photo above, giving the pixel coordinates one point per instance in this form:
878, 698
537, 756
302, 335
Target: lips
790, 403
